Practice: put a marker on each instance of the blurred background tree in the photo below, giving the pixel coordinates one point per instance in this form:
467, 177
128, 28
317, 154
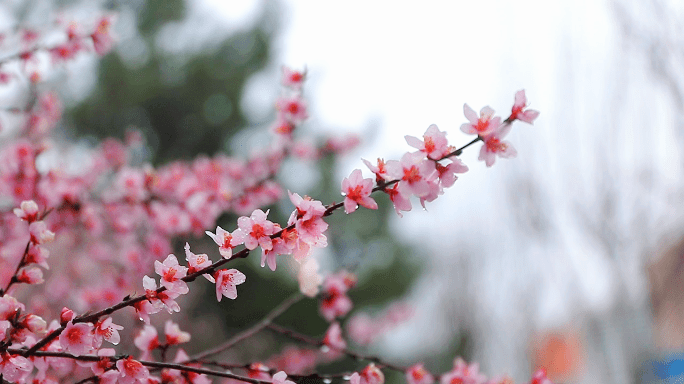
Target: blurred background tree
185, 105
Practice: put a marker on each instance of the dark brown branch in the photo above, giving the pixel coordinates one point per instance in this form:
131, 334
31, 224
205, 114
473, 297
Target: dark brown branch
151, 364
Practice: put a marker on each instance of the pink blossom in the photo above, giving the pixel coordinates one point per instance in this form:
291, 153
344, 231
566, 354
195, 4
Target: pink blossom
102, 38
285, 244
400, 201
110, 376
296, 361
225, 241
397, 313
417, 374
333, 337
414, 173
73, 31
380, 170
293, 79
304, 149
29, 36
284, 127
435, 188
309, 278
447, 176
255, 230
371, 375
171, 274
113, 152
14, 368
66, 315
174, 335
4, 326
434, 144
65, 51
539, 377
482, 126
40, 233
258, 371
342, 280
5, 77
131, 184
281, 378
362, 329
293, 109
495, 146
226, 282
467, 374
131, 371
518, 112
37, 255
77, 338
9, 307
308, 218
356, 191
144, 309
164, 299
197, 262
99, 367
27, 211
176, 376
335, 304
170, 219
147, 339
309, 223
30, 275
107, 330
269, 257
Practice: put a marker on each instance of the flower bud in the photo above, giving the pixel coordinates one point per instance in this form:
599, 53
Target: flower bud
40, 234
34, 323
28, 210
66, 315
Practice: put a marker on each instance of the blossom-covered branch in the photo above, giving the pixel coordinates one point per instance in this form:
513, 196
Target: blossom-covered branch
117, 222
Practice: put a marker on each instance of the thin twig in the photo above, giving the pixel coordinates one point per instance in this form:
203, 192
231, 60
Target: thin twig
318, 343
277, 311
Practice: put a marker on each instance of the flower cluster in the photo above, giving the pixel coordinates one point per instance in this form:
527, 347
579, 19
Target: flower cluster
491, 130
35, 254
335, 302
115, 222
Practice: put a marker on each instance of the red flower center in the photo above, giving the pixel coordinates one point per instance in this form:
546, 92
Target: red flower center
226, 244
170, 274
494, 145
296, 77
482, 125
355, 193
74, 335
429, 145
412, 175
257, 231
293, 108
